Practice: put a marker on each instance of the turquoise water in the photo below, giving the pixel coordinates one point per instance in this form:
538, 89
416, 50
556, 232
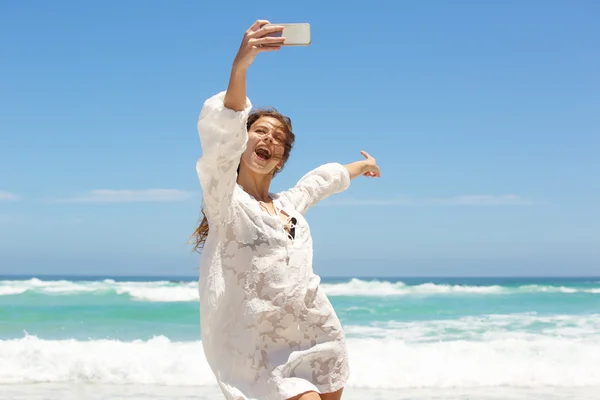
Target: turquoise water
414, 334
140, 308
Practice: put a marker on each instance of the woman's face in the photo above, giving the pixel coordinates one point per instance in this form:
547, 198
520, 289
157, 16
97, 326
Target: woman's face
265, 147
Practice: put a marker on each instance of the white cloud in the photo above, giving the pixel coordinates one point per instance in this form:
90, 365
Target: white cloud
130, 196
465, 200
482, 200
8, 196
348, 201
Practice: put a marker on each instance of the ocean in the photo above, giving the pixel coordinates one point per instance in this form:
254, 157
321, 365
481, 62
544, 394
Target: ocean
68, 337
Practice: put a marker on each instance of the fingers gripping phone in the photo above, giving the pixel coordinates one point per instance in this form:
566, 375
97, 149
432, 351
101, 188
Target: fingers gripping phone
294, 34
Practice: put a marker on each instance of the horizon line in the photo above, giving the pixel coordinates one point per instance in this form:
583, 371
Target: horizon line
322, 276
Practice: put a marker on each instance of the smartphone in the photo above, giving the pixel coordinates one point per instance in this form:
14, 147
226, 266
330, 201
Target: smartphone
295, 34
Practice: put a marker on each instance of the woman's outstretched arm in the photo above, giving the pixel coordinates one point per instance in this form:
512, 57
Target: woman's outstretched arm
366, 167
327, 180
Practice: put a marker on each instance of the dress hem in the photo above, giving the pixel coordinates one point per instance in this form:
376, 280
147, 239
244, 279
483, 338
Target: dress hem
321, 389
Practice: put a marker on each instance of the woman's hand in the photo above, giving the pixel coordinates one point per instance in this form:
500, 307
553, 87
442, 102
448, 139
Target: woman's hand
366, 167
370, 167
255, 41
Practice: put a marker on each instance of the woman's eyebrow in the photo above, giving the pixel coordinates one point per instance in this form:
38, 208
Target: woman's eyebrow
279, 129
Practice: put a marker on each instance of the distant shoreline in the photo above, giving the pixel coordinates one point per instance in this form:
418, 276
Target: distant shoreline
365, 277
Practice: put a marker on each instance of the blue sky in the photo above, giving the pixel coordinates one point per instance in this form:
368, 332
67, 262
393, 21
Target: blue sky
484, 119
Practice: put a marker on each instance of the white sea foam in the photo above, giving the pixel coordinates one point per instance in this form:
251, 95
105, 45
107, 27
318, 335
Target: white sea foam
155, 291
357, 287
8, 290
512, 361
94, 391
165, 291
515, 361
491, 327
547, 289
172, 293
157, 361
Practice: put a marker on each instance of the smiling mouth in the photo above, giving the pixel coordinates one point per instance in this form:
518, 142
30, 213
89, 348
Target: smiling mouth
263, 153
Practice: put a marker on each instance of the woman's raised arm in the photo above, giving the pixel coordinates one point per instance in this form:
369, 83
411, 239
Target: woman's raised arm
222, 126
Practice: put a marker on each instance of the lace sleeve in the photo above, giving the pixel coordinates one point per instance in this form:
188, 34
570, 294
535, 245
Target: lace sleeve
317, 185
223, 137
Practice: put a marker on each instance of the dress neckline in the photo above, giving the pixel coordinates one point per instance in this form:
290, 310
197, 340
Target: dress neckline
274, 198
287, 225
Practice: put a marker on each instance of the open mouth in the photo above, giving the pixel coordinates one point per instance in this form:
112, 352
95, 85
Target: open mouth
262, 153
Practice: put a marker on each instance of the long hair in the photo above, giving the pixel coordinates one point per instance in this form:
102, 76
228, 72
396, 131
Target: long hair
201, 233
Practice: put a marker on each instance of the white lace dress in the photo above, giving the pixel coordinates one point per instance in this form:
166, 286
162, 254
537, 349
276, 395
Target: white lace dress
268, 331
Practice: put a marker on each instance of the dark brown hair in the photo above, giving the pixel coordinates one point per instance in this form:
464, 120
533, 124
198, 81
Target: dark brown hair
201, 233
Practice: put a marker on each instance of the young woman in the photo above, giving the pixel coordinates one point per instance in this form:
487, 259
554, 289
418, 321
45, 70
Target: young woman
268, 331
